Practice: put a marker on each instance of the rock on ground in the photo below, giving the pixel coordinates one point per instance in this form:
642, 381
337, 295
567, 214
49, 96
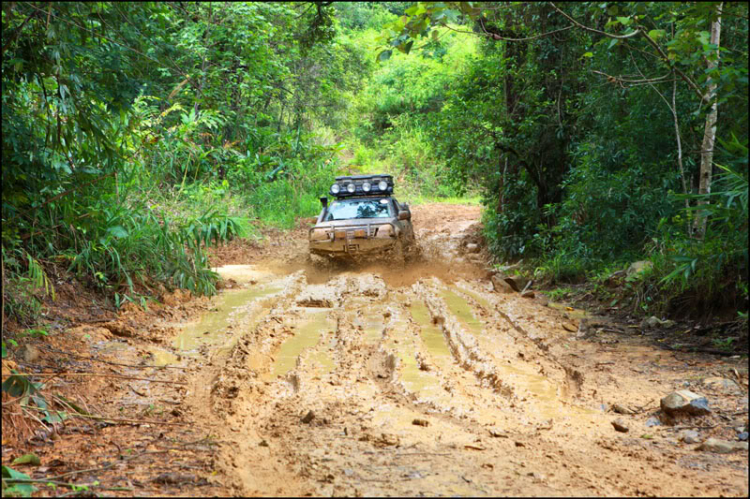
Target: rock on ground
690, 437
722, 446
620, 426
685, 402
722, 385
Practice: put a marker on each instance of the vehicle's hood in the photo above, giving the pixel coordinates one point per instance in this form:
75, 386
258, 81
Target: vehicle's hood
352, 222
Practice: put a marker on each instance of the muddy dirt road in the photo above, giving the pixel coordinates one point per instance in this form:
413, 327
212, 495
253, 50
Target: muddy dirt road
424, 381
378, 381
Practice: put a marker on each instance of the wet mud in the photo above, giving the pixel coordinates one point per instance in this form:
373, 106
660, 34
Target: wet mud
371, 380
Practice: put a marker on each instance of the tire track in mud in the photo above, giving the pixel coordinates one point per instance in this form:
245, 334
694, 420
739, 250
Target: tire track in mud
376, 386
371, 382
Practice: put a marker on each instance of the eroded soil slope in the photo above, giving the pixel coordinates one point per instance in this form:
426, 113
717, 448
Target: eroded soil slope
375, 380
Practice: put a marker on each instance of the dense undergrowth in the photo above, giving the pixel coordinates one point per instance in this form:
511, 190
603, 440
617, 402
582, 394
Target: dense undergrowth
137, 135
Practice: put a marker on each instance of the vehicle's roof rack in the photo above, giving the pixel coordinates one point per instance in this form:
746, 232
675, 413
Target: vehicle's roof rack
376, 183
385, 176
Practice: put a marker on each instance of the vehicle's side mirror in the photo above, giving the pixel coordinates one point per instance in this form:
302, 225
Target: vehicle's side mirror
404, 215
324, 201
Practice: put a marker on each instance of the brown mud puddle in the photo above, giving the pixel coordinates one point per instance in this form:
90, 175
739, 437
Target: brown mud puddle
214, 326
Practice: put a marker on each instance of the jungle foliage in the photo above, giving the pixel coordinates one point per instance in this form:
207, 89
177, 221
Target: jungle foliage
584, 126
137, 134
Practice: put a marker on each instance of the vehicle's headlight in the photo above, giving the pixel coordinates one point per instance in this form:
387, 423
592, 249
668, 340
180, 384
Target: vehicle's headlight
350, 188
318, 235
382, 185
366, 186
335, 188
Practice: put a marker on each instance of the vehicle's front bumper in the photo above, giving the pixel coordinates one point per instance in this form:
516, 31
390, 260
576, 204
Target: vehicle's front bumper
352, 241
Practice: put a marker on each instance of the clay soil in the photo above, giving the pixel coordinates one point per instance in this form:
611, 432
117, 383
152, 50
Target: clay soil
309, 379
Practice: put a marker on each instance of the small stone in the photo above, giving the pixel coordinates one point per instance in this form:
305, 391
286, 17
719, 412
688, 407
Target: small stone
263, 443
653, 421
518, 284
742, 436
654, 322
519, 444
527, 294
685, 402
175, 478
620, 426
722, 446
308, 417
498, 433
536, 476
472, 248
348, 472
500, 285
690, 437
650, 322
569, 327
722, 385
621, 409
420, 422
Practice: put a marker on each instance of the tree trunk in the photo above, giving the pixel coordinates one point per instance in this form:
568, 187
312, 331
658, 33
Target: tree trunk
709, 135
204, 61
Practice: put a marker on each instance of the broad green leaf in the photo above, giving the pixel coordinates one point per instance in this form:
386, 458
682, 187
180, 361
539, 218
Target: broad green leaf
18, 489
624, 20
588, 54
118, 231
385, 55
656, 33
30, 458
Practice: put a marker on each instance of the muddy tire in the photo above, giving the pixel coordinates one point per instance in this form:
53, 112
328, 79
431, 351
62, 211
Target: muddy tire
398, 256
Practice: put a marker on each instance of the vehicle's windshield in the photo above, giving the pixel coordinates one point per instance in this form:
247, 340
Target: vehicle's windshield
358, 208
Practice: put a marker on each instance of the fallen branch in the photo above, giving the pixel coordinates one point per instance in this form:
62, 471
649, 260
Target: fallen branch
423, 454
106, 419
63, 484
103, 468
686, 426
106, 375
712, 351
110, 362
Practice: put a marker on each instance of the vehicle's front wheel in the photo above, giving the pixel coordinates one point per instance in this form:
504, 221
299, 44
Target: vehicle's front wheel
398, 257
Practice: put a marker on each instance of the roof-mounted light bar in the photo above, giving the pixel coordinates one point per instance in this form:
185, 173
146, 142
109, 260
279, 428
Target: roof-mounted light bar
362, 185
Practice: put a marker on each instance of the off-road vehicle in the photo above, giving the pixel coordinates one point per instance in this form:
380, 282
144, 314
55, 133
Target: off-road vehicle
364, 219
